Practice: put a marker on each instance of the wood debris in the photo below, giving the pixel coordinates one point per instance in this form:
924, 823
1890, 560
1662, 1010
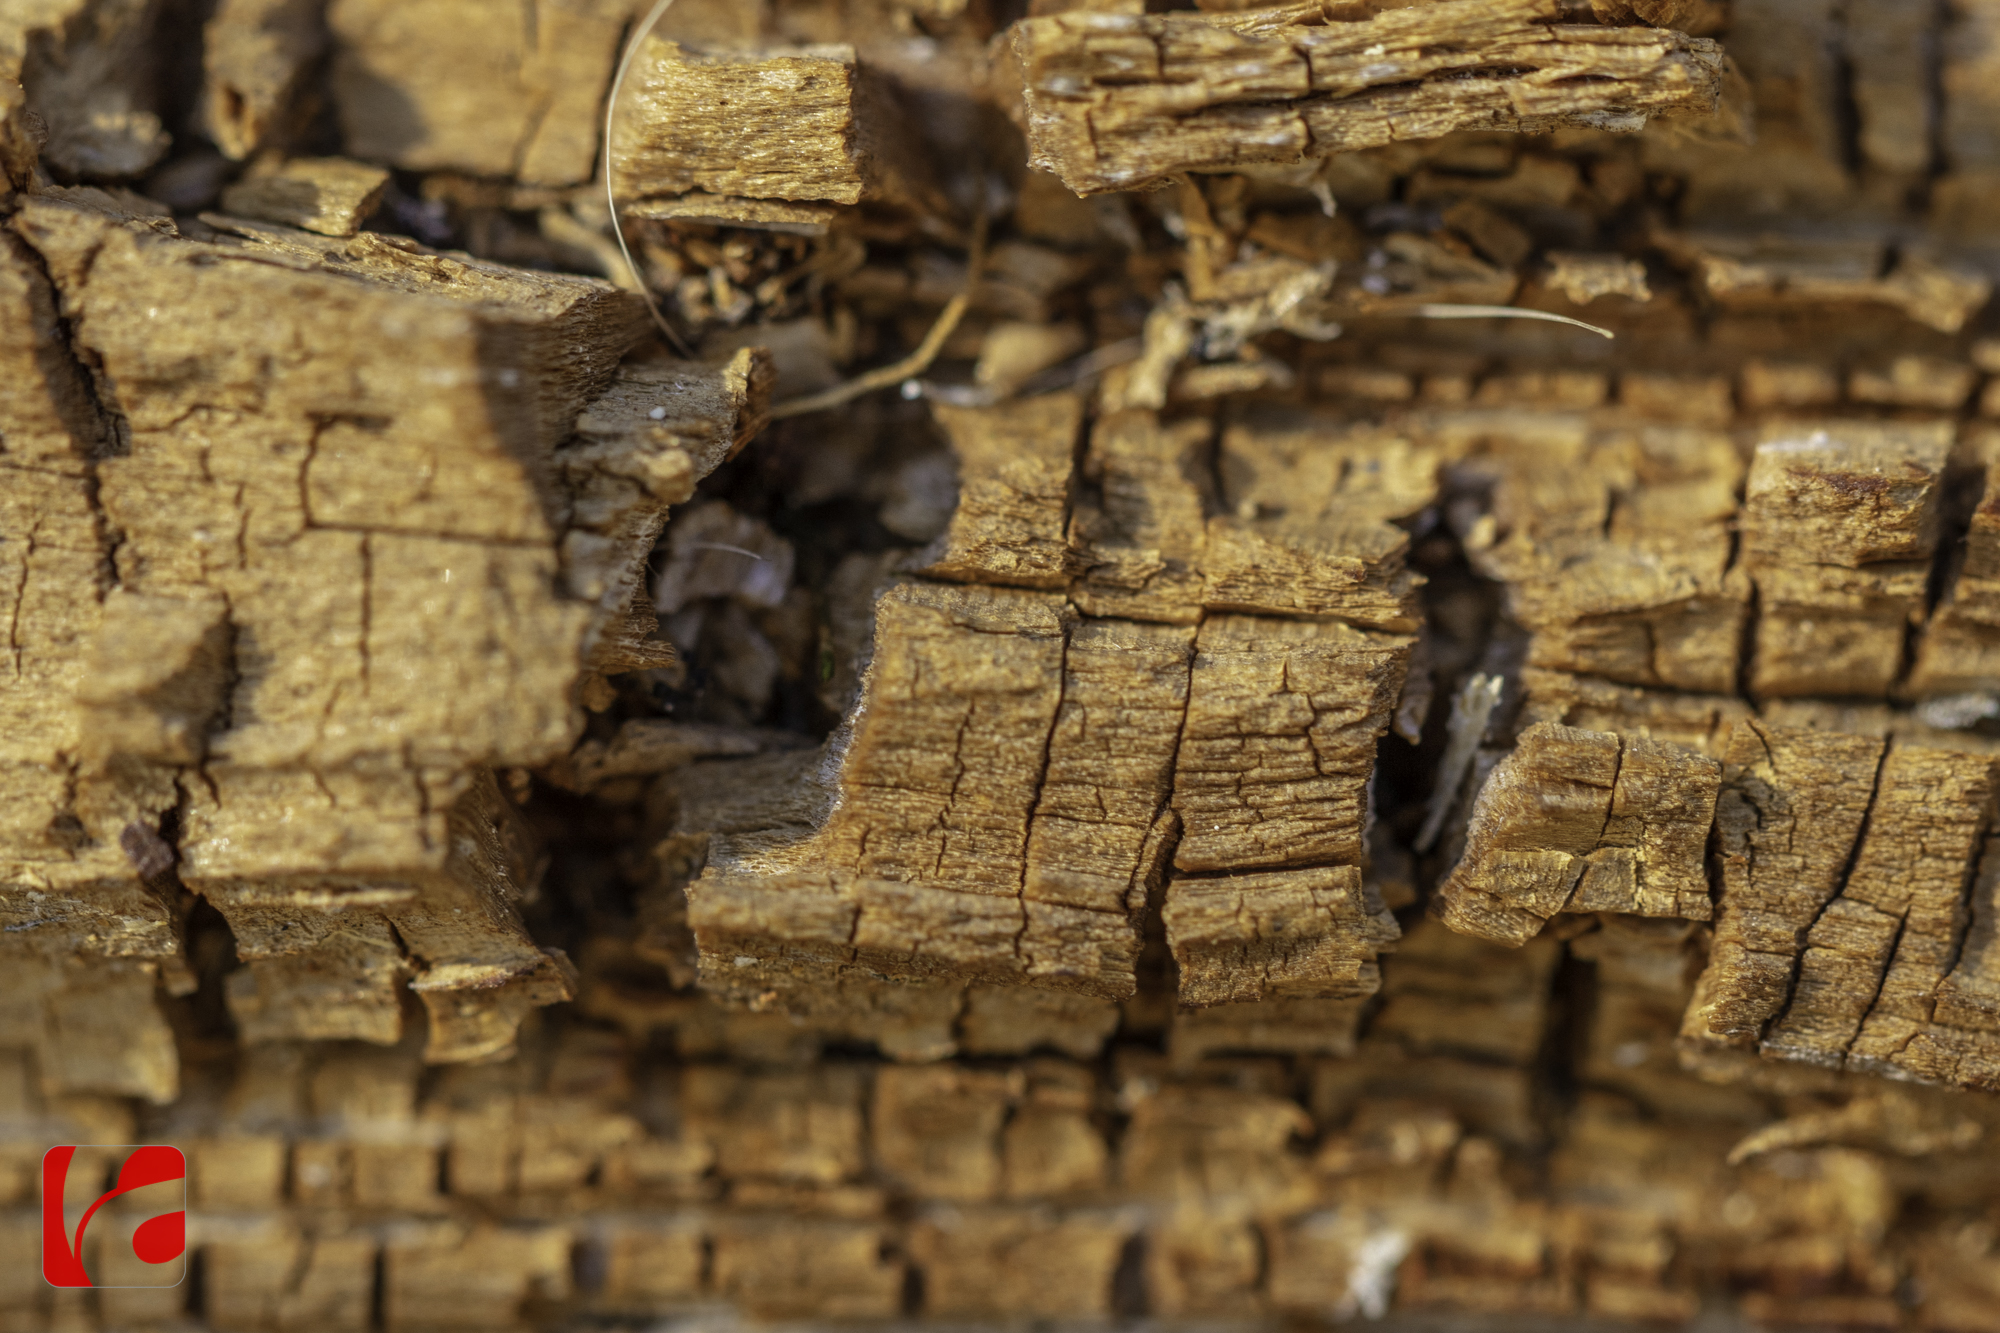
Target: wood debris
526, 108
894, 816
1803, 795
85, 73
1295, 934
1584, 821
1617, 552
1114, 101
766, 138
215, 570
1839, 529
1924, 829
330, 196
1954, 660
1750, 273
1013, 493
1282, 720
257, 56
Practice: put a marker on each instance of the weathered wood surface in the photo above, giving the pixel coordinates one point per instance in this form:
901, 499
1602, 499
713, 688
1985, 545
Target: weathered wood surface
1114, 102
1016, 773
1584, 821
279, 504
956, 866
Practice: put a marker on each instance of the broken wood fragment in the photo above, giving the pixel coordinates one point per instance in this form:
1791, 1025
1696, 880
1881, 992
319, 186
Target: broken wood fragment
1875, 955
521, 99
1279, 935
1140, 538
89, 75
761, 138
1617, 556
256, 59
1583, 821
1279, 742
1114, 102
323, 736
1699, 722
1839, 526
1762, 273
1790, 809
1958, 657
330, 195
1014, 466
1008, 773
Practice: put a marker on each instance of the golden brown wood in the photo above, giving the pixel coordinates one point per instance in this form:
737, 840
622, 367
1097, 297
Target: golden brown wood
1115, 102
557, 841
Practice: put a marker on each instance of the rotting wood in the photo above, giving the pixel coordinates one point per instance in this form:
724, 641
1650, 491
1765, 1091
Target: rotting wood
1791, 807
1956, 657
257, 56
1282, 721
1583, 821
1701, 722
1234, 513
1840, 578
1023, 771
295, 470
326, 195
1875, 955
1289, 934
87, 71
1014, 469
959, 793
777, 139
1618, 561
526, 107
1115, 102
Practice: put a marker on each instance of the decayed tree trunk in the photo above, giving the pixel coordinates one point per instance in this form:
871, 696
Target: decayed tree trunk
1079, 732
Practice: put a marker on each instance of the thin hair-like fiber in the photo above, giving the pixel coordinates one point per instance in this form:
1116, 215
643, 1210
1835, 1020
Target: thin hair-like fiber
1504, 312
631, 52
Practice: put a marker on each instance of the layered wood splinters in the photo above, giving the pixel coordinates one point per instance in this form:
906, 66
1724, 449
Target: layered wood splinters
1017, 779
1127, 717
345, 820
1584, 821
1119, 102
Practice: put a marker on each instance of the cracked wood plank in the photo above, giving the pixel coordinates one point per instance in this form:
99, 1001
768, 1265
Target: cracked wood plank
1293, 518
1280, 935
1116, 102
276, 551
1023, 775
1583, 821
1617, 556
1282, 722
1788, 816
1875, 955
778, 138
1840, 523
1014, 467
998, 808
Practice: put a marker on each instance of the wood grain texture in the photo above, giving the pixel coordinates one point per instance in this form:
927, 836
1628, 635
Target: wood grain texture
556, 846
1114, 102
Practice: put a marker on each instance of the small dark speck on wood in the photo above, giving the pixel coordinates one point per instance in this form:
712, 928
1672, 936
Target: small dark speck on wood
146, 850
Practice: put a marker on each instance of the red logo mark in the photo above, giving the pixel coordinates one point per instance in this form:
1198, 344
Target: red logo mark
155, 1241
